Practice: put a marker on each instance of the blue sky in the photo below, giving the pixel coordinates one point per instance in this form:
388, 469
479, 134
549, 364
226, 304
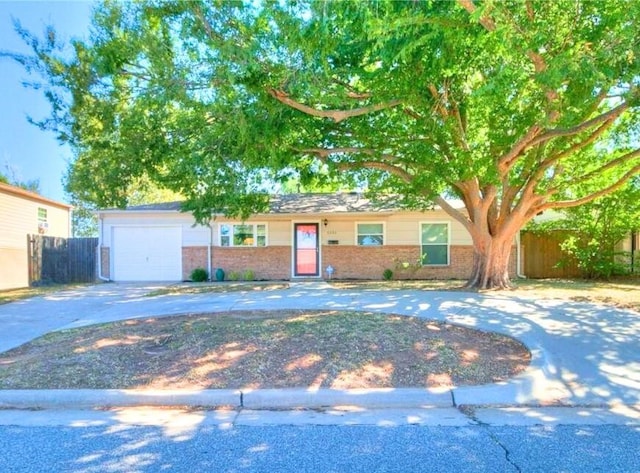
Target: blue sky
30, 152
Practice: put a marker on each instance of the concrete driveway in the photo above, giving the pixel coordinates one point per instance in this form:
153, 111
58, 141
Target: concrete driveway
583, 354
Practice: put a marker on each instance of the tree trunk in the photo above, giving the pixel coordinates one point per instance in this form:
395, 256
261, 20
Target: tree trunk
491, 256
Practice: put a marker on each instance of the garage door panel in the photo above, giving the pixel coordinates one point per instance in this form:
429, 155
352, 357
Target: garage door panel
147, 253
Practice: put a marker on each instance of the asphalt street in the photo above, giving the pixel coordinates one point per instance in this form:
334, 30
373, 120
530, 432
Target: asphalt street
312, 448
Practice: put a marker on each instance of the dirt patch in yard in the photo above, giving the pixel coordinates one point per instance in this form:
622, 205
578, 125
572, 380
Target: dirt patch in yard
264, 349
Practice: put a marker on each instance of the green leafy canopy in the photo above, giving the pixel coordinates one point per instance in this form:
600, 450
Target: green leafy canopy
198, 96
514, 107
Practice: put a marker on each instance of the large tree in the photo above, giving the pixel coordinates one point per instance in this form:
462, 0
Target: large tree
513, 107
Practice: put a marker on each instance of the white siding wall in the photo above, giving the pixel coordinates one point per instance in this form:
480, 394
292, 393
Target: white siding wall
404, 228
340, 229
191, 235
19, 216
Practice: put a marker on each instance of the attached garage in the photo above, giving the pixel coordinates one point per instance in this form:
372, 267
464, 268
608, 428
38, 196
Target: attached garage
147, 253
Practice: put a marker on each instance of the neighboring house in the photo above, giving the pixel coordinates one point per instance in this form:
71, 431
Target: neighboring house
301, 236
23, 213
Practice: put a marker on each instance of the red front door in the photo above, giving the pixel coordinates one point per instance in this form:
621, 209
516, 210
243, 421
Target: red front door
306, 258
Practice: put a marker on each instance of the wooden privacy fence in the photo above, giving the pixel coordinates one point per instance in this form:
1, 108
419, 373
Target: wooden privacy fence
542, 254
61, 260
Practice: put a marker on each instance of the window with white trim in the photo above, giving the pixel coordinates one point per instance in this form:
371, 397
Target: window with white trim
370, 234
245, 234
434, 243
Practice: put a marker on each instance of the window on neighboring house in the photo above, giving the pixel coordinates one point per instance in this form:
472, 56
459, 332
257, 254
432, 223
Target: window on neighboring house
251, 234
370, 234
43, 226
434, 240
42, 215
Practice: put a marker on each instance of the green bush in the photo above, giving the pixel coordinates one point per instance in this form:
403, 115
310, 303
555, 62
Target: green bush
387, 274
595, 258
233, 276
248, 275
199, 275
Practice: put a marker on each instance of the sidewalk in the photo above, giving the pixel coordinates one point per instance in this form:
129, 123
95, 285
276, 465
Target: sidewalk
583, 355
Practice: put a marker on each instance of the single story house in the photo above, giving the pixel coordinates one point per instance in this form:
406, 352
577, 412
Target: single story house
23, 213
341, 236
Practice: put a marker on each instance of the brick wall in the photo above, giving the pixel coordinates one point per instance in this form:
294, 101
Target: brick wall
105, 266
193, 257
349, 262
357, 262
269, 263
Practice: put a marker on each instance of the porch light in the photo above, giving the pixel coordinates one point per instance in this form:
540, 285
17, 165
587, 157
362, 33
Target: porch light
325, 222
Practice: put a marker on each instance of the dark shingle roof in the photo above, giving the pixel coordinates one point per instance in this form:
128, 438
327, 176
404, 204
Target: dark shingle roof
163, 206
340, 202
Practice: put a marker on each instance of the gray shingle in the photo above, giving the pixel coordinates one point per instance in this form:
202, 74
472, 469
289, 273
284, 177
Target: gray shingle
340, 202
157, 207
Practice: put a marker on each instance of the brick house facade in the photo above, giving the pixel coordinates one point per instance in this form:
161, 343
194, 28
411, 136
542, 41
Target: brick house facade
302, 236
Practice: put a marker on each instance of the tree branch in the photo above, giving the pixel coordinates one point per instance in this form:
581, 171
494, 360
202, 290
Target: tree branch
509, 193
485, 20
412, 113
506, 161
578, 146
586, 199
559, 132
206, 24
536, 176
596, 103
442, 100
461, 119
442, 110
540, 65
540, 170
352, 93
453, 212
335, 115
395, 170
325, 152
610, 165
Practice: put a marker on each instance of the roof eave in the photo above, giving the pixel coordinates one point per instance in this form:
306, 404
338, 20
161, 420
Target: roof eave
19, 192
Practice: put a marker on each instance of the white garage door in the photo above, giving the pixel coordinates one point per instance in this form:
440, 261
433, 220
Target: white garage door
147, 253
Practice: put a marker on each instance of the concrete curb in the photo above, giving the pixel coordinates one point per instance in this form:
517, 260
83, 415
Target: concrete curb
248, 399
366, 398
95, 398
505, 396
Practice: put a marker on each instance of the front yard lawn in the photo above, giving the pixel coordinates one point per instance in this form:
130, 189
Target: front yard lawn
261, 349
